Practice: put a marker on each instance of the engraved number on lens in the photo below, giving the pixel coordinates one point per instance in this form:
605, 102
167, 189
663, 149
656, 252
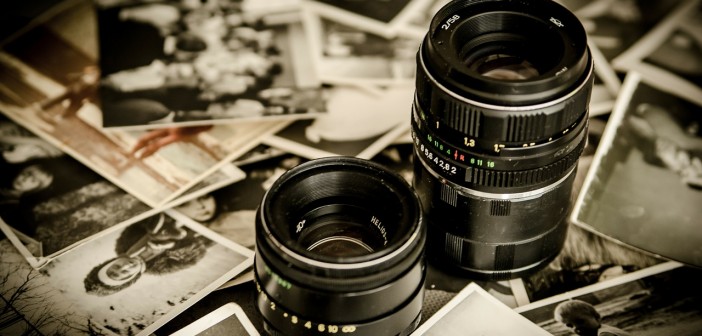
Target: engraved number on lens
448, 22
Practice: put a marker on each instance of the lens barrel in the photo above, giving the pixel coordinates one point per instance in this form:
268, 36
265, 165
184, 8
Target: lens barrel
499, 122
340, 249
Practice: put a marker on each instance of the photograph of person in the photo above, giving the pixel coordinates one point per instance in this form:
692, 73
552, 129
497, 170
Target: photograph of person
652, 142
53, 199
660, 300
196, 63
129, 281
33, 92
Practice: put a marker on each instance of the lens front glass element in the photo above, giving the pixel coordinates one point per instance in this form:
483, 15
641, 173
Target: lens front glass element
340, 230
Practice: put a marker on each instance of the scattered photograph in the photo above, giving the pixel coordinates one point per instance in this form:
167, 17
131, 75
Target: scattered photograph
359, 123
229, 319
473, 311
231, 210
606, 84
53, 200
652, 139
52, 100
386, 18
661, 300
224, 176
671, 53
615, 25
128, 282
575, 267
196, 64
348, 55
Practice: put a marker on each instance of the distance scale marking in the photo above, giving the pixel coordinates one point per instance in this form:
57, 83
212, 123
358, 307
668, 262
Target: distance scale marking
281, 315
486, 173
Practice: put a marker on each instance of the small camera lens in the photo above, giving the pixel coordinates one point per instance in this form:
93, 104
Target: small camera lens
340, 249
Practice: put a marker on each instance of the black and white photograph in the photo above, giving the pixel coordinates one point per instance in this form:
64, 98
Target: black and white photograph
348, 55
52, 199
359, 123
228, 319
652, 141
386, 18
40, 96
473, 311
128, 282
661, 300
615, 25
195, 63
671, 53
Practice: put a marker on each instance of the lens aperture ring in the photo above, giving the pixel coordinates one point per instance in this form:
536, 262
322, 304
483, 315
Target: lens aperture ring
501, 124
489, 173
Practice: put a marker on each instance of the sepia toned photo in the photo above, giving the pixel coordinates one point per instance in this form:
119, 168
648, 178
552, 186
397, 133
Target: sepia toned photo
195, 65
228, 319
652, 139
359, 123
575, 267
128, 282
53, 200
671, 54
55, 103
606, 84
386, 18
473, 311
231, 210
614, 25
660, 300
348, 55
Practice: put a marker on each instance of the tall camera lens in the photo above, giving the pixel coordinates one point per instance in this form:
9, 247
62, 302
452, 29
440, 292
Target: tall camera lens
339, 249
499, 122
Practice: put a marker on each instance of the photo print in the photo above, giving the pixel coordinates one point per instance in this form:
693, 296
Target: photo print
128, 282
195, 64
228, 319
359, 123
575, 267
671, 53
614, 25
386, 18
345, 54
55, 101
473, 311
652, 142
606, 84
51, 201
661, 300
231, 210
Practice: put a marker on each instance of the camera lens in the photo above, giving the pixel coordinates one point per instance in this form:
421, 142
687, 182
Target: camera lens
499, 121
340, 249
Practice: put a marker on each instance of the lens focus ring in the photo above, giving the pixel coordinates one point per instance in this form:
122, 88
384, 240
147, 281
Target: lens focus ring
500, 125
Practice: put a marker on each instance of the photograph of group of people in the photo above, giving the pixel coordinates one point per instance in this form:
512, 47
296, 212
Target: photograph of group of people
193, 63
135, 158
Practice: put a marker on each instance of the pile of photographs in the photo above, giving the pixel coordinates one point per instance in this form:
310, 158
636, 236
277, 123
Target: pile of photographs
138, 138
